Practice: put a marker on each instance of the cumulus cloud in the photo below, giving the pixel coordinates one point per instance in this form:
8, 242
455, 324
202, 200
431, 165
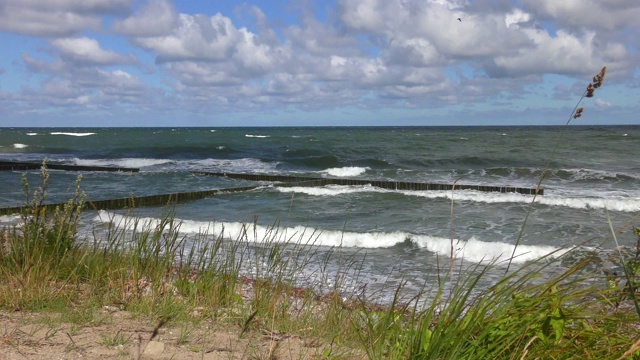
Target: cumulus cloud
563, 54
57, 17
396, 48
197, 37
606, 14
602, 104
155, 18
88, 51
361, 53
76, 78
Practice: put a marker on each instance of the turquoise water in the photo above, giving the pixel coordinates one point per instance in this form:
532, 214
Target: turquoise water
395, 234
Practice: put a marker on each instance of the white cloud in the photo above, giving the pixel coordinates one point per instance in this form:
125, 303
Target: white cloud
426, 30
156, 18
362, 53
601, 104
197, 37
88, 51
563, 54
606, 14
516, 17
55, 18
365, 15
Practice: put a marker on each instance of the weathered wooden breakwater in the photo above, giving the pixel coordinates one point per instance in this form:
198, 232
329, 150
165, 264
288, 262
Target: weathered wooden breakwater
283, 180
13, 166
139, 201
278, 180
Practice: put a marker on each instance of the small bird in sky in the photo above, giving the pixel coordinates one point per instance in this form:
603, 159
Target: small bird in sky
459, 19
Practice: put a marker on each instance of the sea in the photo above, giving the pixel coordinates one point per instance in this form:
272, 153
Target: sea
361, 239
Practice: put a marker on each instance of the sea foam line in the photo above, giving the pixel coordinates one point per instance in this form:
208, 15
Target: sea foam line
614, 204
122, 162
257, 136
346, 171
72, 133
472, 250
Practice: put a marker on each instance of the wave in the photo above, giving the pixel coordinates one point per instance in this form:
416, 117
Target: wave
569, 174
72, 133
329, 190
226, 165
614, 204
249, 165
20, 146
473, 250
10, 220
32, 133
346, 171
124, 162
317, 162
257, 136
591, 174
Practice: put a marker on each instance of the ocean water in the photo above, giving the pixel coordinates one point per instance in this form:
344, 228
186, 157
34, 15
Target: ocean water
389, 236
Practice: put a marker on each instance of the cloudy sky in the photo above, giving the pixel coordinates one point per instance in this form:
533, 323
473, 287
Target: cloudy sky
306, 62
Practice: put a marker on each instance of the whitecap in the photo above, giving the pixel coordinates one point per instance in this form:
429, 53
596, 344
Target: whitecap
472, 250
123, 162
10, 219
73, 133
329, 190
20, 146
257, 136
346, 171
619, 203
234, 165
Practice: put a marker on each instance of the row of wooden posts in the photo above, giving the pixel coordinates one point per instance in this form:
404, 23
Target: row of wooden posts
275, 180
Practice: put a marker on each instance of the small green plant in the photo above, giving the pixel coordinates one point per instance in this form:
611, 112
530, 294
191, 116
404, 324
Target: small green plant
117, 339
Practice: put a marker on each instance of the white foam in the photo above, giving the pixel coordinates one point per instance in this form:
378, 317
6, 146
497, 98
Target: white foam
212, 130
73, 133
346, 171
9, 219
32, 134
329, 190
20, 146
471, 250
617, 204
622, 204
234, 165
589, 174
257, 136
124, 162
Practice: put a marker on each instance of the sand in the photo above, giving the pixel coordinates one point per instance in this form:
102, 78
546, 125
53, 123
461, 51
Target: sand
116, 334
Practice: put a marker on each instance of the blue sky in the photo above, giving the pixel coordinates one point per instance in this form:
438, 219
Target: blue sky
320, 63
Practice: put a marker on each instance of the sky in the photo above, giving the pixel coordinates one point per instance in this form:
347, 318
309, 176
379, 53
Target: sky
74, 63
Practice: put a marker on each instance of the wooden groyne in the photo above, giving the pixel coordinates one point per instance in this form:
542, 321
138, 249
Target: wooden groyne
139, 201
284, 180
11, 165
278, 180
